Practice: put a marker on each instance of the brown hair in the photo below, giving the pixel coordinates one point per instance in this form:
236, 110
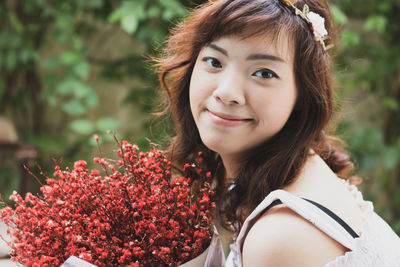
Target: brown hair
275, 163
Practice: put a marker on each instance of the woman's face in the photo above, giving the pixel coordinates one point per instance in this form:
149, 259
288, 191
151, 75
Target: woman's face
242, 92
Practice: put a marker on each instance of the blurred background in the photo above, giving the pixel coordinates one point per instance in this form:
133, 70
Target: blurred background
73, 68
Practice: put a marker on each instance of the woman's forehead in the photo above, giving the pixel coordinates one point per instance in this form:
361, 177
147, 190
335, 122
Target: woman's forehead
279, 44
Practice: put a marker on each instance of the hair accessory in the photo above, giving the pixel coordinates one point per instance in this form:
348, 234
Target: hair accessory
316, 22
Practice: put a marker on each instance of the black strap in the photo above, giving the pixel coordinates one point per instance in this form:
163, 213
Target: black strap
335, 217
324, 209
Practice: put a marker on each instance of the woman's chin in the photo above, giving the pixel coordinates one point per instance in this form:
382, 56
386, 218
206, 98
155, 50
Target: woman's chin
223, 148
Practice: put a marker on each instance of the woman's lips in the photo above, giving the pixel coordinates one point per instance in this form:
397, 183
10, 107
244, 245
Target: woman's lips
226, 119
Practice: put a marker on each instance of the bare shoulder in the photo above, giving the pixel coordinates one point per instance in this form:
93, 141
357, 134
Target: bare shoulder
283, 238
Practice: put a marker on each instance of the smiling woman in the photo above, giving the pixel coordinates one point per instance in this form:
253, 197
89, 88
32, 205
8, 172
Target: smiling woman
249, 86
241, 88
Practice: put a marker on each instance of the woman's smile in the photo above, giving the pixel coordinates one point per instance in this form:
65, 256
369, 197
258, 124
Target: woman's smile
227, 120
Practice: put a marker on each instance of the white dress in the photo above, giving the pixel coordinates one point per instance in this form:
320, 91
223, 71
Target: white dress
377, 246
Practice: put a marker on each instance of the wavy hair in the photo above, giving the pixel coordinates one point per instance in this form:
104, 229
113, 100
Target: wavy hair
276, 162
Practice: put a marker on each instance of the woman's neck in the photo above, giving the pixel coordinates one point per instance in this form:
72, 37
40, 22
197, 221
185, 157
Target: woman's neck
314, 173
231, 165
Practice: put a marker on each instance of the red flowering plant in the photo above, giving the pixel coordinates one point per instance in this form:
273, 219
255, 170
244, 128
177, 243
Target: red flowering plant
134, 213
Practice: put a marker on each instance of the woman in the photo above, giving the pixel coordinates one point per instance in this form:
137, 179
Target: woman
249, 86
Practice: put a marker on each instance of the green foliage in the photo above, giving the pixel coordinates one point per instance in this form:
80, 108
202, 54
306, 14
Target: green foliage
338, 15
369, 61
134, 13
10, 178
82, 126
45, 65
375, 22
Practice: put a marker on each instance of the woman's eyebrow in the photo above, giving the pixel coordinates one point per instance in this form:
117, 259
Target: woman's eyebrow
219, 49
265, 57
251, 57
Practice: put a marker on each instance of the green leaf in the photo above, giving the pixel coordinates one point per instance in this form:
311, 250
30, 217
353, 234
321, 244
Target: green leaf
108, 137
51, 63
150, 34
15, 22
82, 91
129, 23
82, 69
65, 21
350, 38
115, 16
26, 55
173, 9
369, 162
391, 157
69, 57
84, 97
11, 60
136, 7
375, 22
130, 13
95, 3
50, 80
77, 44
74, 87
153, 11
338, 15
61, 36
107, 123
384, 6
168, 15
168, 4
67, 86
49, 143
91, 98
82, 126
390, 102
74, 107
50, 12
34, 27
14, 40
50, 98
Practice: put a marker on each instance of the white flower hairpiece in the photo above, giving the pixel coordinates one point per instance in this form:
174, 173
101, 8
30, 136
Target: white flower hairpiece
316, 21
318, 24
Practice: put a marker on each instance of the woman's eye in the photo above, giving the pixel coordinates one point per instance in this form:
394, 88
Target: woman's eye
212, 62
265, 74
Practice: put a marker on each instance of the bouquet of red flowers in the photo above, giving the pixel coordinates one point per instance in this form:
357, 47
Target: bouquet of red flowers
134, 214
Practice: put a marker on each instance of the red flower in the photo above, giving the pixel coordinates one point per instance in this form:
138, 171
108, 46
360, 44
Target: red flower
135, 214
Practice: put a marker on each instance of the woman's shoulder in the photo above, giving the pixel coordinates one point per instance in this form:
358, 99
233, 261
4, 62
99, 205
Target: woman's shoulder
319, 183
281, 237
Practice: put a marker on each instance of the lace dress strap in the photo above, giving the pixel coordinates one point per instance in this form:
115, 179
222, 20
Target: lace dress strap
304, 208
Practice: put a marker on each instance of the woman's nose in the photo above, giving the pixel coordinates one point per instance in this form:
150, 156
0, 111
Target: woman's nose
230, 89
